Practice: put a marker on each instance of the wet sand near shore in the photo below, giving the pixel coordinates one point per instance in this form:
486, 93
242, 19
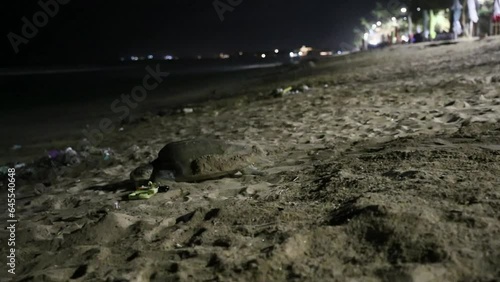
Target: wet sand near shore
386, 167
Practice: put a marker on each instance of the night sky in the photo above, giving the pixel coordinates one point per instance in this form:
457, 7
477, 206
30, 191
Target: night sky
94, 31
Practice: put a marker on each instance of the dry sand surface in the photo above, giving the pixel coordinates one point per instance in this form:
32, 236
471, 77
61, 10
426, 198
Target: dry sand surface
386, 169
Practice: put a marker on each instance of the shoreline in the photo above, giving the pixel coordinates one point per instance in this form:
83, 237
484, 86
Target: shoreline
173, 94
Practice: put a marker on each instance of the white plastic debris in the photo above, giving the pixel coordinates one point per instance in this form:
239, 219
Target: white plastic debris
107, 154
19, 165
16, 147
71, 156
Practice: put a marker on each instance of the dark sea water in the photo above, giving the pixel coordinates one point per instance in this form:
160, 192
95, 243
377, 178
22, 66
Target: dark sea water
53, 101
27, 87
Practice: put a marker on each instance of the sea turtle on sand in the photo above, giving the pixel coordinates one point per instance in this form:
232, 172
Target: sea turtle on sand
142, 174
200, 159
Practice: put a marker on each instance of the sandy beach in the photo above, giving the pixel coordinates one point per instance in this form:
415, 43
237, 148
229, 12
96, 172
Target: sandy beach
377, 166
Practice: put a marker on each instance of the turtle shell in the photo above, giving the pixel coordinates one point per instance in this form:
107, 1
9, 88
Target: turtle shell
201, 159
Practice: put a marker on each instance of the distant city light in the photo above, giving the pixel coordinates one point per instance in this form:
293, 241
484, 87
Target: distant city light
223, 56
122, 59
379, 23
324, 53
276, 51
263, 56
405, 18
199, 57
240, 53
404, 10
394, 19
374, 26
134, 58
365, 36
419, 9
304, 50
339, 52
150, 57
293, 55
168, 57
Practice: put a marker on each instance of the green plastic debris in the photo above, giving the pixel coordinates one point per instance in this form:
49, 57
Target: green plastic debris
144, 192
286, 90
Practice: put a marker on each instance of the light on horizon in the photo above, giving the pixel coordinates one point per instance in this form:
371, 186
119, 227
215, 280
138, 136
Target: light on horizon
379, 23
404, 10
304, 50
393, 19
276, 51
263, 56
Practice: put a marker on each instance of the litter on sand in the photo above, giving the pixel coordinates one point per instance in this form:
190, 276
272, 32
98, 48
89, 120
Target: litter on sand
144, 192
16, 147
